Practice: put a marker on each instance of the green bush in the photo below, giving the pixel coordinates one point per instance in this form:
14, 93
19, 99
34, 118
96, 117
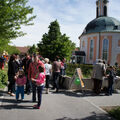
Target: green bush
86, 69
3, 79
115, 113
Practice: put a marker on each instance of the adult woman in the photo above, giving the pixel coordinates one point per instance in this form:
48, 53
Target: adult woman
48, 70
11, 74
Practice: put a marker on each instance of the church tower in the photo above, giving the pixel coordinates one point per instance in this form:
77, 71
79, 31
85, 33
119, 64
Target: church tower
101, 9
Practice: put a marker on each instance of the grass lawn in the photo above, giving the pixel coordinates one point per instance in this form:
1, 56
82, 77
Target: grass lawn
114, 111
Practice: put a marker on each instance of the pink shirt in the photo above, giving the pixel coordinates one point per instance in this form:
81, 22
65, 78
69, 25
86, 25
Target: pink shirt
40, 79
21, 81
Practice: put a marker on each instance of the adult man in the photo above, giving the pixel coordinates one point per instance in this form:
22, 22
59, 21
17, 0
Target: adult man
56, 72
33, 72
26, 62
98, 74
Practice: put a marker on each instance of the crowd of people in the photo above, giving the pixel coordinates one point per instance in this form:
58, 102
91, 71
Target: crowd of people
34, 73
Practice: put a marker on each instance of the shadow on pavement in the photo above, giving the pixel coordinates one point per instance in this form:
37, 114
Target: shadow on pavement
13, 101
3, 93
79, 93
13, 104
92, 117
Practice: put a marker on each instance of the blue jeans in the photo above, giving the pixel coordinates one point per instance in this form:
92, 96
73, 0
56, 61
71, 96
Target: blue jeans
20, 90
110, 87
39, 92
34, 88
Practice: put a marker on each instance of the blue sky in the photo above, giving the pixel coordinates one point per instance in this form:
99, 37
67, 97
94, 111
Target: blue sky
72, 15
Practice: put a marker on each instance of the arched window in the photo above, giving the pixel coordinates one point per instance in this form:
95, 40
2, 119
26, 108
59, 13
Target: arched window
91, 49
105, 11
105, 49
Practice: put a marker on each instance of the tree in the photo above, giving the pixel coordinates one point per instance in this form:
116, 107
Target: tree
55, 44
32, 49
13, 14
12, 50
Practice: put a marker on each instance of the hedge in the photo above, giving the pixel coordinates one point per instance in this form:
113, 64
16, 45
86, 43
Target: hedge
3, 79
86, 69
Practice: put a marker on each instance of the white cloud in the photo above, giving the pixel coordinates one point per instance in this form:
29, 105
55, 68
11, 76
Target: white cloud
72, 15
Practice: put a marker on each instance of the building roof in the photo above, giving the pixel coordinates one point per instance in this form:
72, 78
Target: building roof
23, 49
102, 24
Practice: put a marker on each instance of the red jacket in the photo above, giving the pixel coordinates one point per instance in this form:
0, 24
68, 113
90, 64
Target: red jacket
33, 69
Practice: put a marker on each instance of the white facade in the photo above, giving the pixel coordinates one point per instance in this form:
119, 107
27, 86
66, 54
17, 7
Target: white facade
113, 47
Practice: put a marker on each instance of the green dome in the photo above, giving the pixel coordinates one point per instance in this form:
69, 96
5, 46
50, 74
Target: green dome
102, 24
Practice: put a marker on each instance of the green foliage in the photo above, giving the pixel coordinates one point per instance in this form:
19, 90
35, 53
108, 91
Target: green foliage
32, 49
115, 113
55, 44
13, 14
86, 69
3, 79
12, 50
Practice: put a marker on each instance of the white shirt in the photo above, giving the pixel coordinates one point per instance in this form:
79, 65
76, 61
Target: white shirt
48, 67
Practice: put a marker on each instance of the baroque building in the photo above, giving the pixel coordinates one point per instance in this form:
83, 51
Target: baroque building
101, 37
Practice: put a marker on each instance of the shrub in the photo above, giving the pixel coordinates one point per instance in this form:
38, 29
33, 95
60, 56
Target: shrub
115, 113
86, 69
3, 79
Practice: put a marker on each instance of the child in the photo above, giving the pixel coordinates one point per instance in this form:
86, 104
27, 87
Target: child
110, 76
39, 81
20, 81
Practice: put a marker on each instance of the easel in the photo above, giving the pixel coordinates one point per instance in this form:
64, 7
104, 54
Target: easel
78, 73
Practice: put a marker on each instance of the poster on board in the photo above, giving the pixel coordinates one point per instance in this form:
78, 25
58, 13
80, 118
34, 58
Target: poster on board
78, 78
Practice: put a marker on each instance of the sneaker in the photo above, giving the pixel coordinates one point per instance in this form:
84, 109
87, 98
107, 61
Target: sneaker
36, 107
47, 91
12, 94
9, 92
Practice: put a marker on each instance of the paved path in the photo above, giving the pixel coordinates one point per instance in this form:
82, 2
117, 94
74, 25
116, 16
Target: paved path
65, 105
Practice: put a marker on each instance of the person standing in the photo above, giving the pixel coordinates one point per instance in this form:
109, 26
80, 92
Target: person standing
20, 81
32, 72
97, 75
111, 75
48, 71
39, 81
17, 63
11, 75
26, 62
62, 73
56, 72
